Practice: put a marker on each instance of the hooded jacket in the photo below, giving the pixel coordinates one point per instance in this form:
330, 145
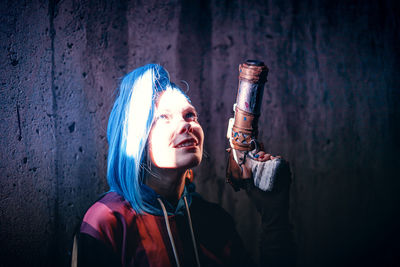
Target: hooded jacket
193, 232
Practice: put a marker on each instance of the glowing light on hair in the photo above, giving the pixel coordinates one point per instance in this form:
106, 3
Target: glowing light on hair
138, 111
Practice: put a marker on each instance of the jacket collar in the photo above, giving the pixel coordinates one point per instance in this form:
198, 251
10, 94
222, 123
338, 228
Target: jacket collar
152, 206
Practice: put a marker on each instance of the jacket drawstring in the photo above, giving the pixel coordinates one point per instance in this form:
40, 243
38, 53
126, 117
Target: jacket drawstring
191, 231
169, 232
171, 239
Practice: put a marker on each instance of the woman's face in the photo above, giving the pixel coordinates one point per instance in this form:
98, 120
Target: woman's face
176, 139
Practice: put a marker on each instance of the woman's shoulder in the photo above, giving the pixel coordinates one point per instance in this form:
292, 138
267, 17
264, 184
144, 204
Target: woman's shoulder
106, 215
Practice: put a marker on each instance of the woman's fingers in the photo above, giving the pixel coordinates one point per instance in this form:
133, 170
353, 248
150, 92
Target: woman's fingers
266, 157
262, 156
259, 155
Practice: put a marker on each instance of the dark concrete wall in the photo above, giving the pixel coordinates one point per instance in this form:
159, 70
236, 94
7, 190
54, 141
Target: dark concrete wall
330, 108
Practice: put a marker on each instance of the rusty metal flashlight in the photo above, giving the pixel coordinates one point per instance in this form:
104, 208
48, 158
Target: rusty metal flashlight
243, 129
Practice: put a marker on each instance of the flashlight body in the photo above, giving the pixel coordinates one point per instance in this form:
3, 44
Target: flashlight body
244, 129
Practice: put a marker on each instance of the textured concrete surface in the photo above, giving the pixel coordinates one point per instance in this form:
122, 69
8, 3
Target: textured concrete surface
330, 107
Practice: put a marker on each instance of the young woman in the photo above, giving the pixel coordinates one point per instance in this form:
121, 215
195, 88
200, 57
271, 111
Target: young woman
151, 216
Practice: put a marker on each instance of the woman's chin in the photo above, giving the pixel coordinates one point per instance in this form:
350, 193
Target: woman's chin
183, 163
188, 162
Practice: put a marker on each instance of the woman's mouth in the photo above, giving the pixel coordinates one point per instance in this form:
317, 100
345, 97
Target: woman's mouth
187, 143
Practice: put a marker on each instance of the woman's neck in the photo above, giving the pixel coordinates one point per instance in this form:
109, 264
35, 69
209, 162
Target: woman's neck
168, 183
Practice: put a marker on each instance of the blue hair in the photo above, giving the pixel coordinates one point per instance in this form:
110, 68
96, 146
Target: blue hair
128, 129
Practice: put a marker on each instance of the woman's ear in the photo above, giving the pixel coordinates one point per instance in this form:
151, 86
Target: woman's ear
189, 175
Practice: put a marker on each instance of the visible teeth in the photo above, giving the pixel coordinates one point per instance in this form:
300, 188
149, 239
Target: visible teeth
186, 144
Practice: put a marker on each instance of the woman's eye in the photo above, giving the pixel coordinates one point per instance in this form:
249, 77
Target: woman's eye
163, 117
191, 116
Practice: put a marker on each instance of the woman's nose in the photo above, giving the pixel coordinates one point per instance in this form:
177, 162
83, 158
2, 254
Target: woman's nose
186, 127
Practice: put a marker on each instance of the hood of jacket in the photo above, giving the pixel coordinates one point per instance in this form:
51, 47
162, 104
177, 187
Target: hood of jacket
152, 206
